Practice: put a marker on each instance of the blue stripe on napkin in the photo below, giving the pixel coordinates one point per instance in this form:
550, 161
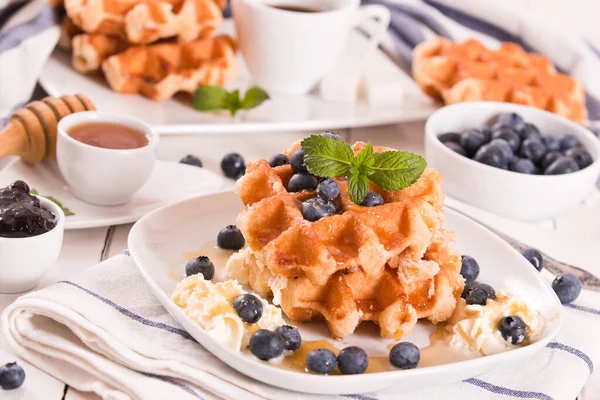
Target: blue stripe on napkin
16, 35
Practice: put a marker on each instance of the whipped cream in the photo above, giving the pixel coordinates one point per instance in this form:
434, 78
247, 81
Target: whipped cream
210, 306
472, 330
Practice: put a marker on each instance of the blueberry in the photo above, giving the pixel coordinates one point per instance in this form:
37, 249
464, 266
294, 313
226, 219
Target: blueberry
530, 131
321, 361
562, 165
479, 293
405, 355
552, 143
316, 208
191, 160
200, 265
266, 345
449, 137
522, 165
248, 307
455, 147
352, 360
302, 181
20, 185
513, 329
328, 189
230, 238
534, 257
487, 135
372, 199
508, 134
297, 161
513, 120
467, 288
291, 337
505, 147
491, 155
471, 141
469, 269
332, 135
569, 142
567, 287
549, 158
233, 165
581, 157
533, 149
278, 160
12, 376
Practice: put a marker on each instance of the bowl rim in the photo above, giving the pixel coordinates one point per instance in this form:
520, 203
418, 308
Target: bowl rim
52, 207
577, 129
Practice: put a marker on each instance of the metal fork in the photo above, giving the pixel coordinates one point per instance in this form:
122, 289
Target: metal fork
588, 280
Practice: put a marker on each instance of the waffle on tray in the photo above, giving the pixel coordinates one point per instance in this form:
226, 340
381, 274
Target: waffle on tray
468, 71
390, 264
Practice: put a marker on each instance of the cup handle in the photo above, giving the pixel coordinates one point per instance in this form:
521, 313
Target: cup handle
343, 82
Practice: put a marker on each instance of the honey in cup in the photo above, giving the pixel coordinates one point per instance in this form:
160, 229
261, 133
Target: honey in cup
109, 136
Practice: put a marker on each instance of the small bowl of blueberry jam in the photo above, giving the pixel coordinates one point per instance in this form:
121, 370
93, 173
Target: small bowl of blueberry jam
31, 235
516, 161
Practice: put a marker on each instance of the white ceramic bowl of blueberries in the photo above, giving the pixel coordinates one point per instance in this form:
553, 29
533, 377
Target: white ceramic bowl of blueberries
516, 161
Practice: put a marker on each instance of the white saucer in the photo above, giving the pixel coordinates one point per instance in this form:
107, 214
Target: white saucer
159, 243
169, 182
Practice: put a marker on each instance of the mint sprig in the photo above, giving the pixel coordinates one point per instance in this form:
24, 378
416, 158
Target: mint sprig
66, 211
212, 98
390, 170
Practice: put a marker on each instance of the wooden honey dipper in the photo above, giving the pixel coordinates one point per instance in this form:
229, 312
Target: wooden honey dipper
31, 131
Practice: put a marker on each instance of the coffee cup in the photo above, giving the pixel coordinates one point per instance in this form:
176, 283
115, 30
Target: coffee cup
290, 45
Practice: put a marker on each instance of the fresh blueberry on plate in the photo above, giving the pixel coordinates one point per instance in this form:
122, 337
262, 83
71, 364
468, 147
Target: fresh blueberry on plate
321, 361
266, 345
230, 238
316, 208
534, 257
328, 189
551, 143
233, 165
567, 287
522, 165
513, 329
562, 165
508, 134
332, 135
12, 376
297, 161
291, 337
455, 147
405, 355
512, 119
533, 149
372, 199
352, 360
491, 155
277, 160
549, 158
469, 268
191, 160
530, 131
302, 181
581, 156
471, 140
449, 137
200, 265
479, 293
248, 307
569, 142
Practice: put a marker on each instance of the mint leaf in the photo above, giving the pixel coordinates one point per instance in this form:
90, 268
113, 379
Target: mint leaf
232, 102
365, 157
254, 97
209, 98
327, 157
66, 211
358, 186
395, 170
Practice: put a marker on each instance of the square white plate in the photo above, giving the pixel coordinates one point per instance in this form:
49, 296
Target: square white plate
159, 242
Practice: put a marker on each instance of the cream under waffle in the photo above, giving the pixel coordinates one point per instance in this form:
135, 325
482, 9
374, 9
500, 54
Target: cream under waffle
391, 264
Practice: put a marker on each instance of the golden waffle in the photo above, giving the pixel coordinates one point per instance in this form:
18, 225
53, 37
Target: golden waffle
389, 264
91, 49
159, 71
68, 30
468, 71
145, 21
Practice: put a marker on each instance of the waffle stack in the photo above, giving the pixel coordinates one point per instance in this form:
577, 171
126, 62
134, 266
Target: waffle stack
468, 71
391, 264
119, 37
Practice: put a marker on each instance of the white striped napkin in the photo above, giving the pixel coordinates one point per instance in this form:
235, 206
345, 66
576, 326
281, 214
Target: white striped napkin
103, 331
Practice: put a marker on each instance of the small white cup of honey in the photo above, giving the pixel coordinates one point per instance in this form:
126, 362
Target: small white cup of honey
105, 157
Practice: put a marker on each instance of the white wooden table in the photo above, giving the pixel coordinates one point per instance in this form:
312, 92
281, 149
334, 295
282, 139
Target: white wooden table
85, 248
